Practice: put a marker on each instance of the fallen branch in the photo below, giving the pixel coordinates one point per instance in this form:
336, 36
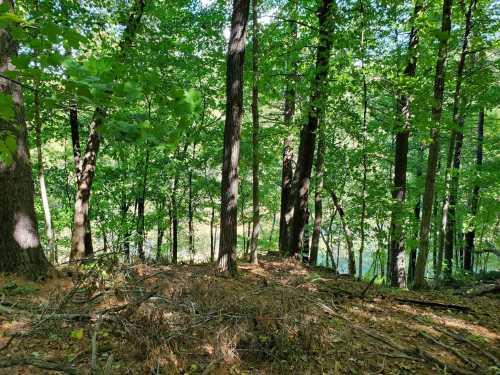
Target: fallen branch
436, 305
463, 339
46, 365
451, 349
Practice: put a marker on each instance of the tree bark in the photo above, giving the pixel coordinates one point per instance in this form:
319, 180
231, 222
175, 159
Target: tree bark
234, 110
175, 220
347, 234
308, 133
286, 209
49, 229
412, 262
20, 249
397, 243
212, 236
140, 210
455, 146
474, 203
318, 201
437, 108
190, 209
255, 136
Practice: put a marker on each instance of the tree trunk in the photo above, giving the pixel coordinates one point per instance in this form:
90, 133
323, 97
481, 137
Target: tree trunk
191, 209
41, 177
88, 163
175, 221
437, 108
308, 133
474, 204
347, 234
412, 263
271, 233
212, 236
318, 202
455, 147
286, 209
159, 240
20, 249
397, 243
140, 210
255, 136
81, 222
234, 110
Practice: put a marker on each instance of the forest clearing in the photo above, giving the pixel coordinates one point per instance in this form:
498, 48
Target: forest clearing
249, 187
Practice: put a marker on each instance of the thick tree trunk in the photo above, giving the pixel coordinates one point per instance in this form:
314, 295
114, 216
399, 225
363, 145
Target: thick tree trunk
397, 243
437, 108
49, 229
234, 110
318, 201
255, 136
474, 203
20, 249
455, 147
286, 209
308, 133
191, 213
347, 234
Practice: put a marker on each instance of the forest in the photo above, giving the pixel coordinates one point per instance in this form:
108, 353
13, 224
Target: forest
249, 187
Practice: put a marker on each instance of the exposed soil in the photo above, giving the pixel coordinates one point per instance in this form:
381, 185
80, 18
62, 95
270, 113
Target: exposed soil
276, 318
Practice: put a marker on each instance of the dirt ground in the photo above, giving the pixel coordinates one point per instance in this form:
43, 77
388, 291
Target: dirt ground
279, 317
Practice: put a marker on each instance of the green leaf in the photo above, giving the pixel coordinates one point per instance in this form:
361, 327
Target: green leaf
77, 334
6, 107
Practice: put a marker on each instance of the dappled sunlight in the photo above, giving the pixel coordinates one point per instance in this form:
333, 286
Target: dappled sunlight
25, 233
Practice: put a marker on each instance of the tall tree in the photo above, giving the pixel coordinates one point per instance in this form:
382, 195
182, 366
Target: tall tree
286, 209
455, 146
308, 132
255, 135
88, 163
318, 201
49, 228
20, 249
234, 110
432, 159
470, 235
397, 245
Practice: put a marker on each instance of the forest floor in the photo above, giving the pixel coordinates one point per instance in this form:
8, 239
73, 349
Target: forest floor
279, 317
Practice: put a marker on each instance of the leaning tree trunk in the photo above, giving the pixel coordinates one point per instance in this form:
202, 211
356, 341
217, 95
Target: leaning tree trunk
347, 234
397, 243
455, 147
308, 133
437, 108
318, 202
255, 136
234, 110
88, 163
20, 249
286, 209
474, 204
